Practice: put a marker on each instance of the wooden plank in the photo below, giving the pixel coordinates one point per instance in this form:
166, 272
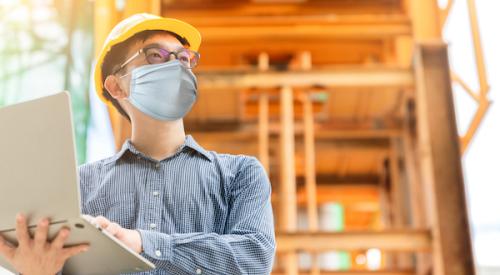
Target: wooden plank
330, 133
408, 240
310, 164
310, 170
106, 16
288, 202
341, 77
357, 134
264, 117
399, 195
354, 272
478, 51
397, 207
484, 102
324, 52
441, 162
411, 165
196, 8
312, 31
206, 19
264, 131
418, 218
133, 7
345, 194
425, 28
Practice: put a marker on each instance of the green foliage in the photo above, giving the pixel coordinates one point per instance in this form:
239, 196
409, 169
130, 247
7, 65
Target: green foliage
47, 47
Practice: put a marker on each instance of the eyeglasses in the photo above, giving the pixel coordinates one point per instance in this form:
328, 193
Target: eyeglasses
157, 55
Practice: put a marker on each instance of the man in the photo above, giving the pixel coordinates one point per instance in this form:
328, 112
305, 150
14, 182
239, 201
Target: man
186, 209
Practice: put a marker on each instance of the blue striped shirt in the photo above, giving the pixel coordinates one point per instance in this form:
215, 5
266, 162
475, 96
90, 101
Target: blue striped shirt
197, 211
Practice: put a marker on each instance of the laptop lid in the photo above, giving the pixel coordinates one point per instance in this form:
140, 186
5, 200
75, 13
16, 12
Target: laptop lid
38, 173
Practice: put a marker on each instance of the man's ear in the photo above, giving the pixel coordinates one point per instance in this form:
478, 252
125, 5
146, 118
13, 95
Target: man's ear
112, 85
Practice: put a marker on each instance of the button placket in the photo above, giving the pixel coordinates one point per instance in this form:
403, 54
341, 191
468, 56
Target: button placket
155, 202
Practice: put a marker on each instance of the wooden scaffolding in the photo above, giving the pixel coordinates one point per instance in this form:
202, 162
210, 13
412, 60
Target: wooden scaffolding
344, 102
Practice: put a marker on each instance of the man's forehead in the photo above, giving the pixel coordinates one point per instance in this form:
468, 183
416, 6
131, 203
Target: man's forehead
164, 40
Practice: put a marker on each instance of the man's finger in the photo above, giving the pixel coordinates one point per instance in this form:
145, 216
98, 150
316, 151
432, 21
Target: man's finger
113, 228
102, 222
74, 250
22, 234
6, 249
41, 234
61, 238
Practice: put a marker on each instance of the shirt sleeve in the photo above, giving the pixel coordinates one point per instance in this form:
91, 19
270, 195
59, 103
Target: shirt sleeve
247, 245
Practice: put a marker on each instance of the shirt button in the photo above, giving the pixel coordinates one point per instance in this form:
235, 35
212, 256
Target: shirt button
153, 225
157, 165
156, 193
198, 271
158, 253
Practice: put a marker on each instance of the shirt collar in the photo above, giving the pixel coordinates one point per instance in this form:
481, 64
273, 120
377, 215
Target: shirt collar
191, 143
188, 142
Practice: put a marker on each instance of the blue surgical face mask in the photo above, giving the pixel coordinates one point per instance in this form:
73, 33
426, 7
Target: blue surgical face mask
165, 91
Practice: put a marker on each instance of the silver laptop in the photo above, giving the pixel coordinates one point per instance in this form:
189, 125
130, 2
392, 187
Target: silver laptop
39, 177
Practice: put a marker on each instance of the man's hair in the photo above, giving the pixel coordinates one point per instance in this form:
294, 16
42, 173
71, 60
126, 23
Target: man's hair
117, 55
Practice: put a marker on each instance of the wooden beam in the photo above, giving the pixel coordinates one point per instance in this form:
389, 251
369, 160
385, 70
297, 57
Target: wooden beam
208, 19
478, 50
106, 17
288, 201
418, 218
149, 6
408, 240
184, 9
311, 31
353, 272
412, 167
340, 77
396, 185
310, 170
336, 179
250, 133
264, 131
357, 134
425, 28
441, 162
310, 164
345, 194
398, 197
263, 125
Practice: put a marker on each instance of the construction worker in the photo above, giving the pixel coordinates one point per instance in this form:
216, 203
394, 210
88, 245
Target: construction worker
186, 209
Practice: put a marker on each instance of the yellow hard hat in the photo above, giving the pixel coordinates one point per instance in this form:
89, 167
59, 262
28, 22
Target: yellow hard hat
135, 24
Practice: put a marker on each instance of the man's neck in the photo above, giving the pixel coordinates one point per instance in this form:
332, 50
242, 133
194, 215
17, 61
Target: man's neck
157, 139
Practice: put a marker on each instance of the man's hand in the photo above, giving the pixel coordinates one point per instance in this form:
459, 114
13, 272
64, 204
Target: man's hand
131, 238
37, 256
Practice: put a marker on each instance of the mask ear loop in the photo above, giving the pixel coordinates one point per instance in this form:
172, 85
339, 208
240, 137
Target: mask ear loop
127, 74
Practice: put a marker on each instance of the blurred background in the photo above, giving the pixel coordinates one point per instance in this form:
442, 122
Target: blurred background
322, 92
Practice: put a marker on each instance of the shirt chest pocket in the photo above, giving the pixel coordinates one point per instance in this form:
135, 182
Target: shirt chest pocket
120, 209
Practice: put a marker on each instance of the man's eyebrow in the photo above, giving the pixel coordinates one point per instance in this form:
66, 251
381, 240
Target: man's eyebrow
153, 45
157, 45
